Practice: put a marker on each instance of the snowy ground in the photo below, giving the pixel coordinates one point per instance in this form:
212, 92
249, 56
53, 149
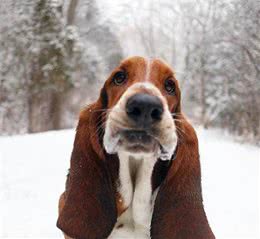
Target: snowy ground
33, 169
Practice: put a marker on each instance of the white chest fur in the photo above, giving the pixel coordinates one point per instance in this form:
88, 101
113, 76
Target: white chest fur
135, 187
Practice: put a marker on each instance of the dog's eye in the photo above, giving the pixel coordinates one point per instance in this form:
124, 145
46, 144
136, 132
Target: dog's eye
119, 78
169, 86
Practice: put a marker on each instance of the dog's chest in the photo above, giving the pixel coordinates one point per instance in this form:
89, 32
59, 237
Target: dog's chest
135, 196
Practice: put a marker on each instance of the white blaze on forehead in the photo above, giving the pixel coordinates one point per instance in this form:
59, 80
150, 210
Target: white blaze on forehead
148, 65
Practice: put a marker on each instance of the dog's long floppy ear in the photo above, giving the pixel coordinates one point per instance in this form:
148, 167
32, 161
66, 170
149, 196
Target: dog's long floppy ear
178, 210
89, 209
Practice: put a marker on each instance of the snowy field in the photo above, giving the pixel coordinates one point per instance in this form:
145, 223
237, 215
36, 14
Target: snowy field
33, 169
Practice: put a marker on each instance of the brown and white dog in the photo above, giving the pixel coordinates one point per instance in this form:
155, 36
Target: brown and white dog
135, 161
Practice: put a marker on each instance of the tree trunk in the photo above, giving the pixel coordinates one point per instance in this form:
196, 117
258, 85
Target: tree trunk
45, 112
56, 110
203, 101
38, 112
71, 12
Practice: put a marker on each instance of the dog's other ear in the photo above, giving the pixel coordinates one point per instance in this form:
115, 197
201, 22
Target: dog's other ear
178, 210
89, 209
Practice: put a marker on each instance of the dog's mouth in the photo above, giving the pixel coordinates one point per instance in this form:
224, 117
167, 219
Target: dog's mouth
137, 141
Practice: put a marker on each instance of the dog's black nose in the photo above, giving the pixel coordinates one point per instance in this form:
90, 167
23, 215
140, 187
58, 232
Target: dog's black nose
144, 109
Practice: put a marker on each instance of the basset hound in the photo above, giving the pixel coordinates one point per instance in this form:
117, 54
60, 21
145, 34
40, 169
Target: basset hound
135, 162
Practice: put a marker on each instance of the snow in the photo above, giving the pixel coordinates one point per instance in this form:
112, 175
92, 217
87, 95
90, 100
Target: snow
33, 169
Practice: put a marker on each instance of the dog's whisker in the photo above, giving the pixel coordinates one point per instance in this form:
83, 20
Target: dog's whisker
180, 131
98, 110
99, 126
178, 120
176, 114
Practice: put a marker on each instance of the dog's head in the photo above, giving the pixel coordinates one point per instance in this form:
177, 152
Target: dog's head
142, 98
138, 112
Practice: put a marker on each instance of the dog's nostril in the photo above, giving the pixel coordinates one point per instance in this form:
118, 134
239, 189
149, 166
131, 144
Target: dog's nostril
156, 113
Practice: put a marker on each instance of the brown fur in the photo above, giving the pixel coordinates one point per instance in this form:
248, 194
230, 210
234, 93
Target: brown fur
61, 206
90, 206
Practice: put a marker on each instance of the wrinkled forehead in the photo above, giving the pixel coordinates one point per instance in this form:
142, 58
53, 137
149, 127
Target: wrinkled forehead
146, 69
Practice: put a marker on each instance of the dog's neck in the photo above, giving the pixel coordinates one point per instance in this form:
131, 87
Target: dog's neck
135, 189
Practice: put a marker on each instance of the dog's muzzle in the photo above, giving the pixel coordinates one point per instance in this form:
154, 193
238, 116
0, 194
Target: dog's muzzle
144, 111
140, 124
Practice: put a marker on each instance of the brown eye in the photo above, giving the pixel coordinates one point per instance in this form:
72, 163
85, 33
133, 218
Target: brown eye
119, 78
169, 86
